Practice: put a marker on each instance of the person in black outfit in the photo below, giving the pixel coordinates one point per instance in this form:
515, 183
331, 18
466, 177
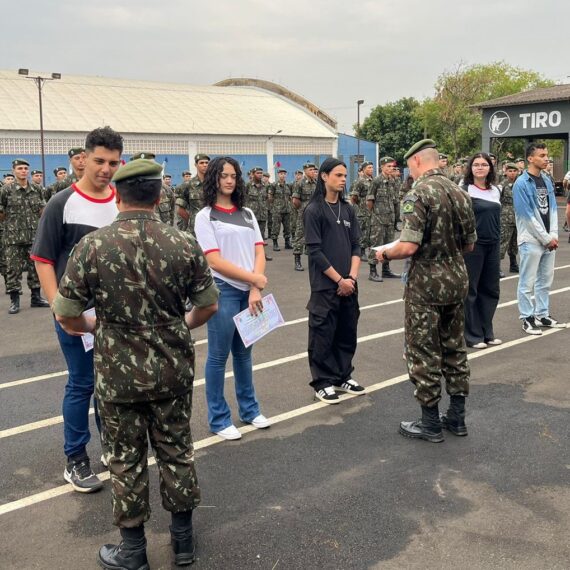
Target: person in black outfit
332, 235
483, 263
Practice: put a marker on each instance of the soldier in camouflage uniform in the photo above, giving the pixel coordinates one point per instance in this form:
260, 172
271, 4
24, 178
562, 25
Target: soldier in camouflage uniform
358, 193
302, 192
77, 159
294, 211
265, 180
21, 205
438, 227
256, 200
279, 198
144, 356
38, 180
383, 205
190, 199
508, 221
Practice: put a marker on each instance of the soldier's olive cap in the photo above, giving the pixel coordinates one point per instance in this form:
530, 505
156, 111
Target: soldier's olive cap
59, 169
309, 165
20, 162
420, 145
519, 160
140, 168
143, 154
298, 172
186, 173
167, 175
199, 157
281, 170
512, 166
74, 151
365, 164
267, 174
491, 155
387, 160
257, 169
442, 156
36, 172
8, 174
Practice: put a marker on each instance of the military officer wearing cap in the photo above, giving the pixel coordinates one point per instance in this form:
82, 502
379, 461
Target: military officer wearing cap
144, 356
520, 162
21, 205
302, 192
256, 200
294, 212
37, 177
77, 158
438, 227
279, 198
508, 220
266, 181
383, 205
190, 198
358, 193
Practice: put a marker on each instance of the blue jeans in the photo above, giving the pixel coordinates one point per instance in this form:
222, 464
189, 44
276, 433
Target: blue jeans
223, 337
77, 396
536, 272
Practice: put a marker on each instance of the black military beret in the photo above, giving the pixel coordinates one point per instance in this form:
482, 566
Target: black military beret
365, 164
36, 172
281, 170
74, 151
442, 156
387, 160
20, 162
59, 169
257, 169
309, 165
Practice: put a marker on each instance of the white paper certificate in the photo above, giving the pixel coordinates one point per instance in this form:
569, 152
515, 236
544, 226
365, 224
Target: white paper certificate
88, 339
386, 245
251, 328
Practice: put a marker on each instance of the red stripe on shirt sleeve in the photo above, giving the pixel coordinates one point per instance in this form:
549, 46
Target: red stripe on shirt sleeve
211, 250
259, 243
42, 260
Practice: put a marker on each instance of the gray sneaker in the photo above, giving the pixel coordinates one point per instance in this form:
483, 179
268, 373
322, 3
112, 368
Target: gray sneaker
81, 477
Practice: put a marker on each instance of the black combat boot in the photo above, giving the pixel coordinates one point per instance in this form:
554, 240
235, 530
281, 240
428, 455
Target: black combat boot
130, 554
387, 272
363, 256
182, 539
37, 300
14, 303
514, 267
288, 243
454, 419
276, 245
298, 266
428, 427
373, 275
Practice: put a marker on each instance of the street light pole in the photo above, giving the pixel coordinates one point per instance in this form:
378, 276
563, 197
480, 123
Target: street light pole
358, 103
40, 81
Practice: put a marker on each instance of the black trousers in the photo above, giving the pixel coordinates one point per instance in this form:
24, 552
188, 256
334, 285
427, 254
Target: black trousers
483, 266
333, 321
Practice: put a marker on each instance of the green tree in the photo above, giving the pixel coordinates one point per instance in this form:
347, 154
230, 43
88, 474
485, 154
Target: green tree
394, 126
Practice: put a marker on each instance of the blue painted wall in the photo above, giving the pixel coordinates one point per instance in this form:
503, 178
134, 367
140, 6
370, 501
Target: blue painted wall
347, 149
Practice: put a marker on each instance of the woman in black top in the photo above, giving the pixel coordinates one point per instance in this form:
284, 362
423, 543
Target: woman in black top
332, 236
483, 263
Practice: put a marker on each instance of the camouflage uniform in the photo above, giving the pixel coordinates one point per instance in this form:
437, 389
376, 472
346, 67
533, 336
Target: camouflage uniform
22, 208
165, 208
256, 201
2, 259
384, 214
144, 353
508, 222
303, 191
190, 198
437, 216
281, 206
270, 210
360, 190
60, 185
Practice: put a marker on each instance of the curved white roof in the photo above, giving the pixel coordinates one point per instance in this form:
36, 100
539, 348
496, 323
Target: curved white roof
78, 103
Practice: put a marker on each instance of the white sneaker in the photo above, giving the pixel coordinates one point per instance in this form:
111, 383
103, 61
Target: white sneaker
479, 345
494, 342
104, 460
260, 422
231, 432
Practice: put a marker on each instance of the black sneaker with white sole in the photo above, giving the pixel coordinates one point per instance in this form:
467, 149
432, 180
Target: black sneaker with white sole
350, 386
548, 322
327, 395
81, 477
529, 326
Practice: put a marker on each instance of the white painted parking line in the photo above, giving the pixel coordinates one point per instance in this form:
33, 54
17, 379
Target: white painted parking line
214, 440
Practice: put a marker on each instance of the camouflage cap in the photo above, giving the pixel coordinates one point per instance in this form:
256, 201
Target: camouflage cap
199, 157
36, 171
420, 145
309, 165
186, 173
139, 168
511, 166
387, 160
443, 156
20, 162
75, 151
281, 170
143, 154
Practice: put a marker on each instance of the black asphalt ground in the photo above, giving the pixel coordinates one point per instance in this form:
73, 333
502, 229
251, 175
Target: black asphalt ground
326, 486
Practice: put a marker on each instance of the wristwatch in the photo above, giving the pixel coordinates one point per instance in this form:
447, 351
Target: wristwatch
385, 255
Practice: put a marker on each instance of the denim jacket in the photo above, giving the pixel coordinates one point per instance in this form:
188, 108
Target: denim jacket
530, 227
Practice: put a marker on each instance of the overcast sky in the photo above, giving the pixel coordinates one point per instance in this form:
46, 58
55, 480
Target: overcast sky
330, 51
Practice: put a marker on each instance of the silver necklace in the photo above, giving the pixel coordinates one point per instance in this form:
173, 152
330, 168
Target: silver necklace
332, 211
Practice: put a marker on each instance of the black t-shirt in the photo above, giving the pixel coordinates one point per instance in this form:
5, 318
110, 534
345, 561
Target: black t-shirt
332, 235
542, 196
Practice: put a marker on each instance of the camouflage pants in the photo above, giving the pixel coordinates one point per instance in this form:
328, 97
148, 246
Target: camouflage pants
508, 240
379, 235
278, 220
293, 220
262, 224
364, 223
299, 239
181, 223
269, 223
124, 432
17, 258
435, 351
2, 260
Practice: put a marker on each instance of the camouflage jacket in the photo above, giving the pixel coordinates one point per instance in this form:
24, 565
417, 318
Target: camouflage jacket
165, 208
281, 195
191, 198
438, 216
256, 200
361, 188
60, 185
303, 190
22, 208
386, 204
507, 208
139, 272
